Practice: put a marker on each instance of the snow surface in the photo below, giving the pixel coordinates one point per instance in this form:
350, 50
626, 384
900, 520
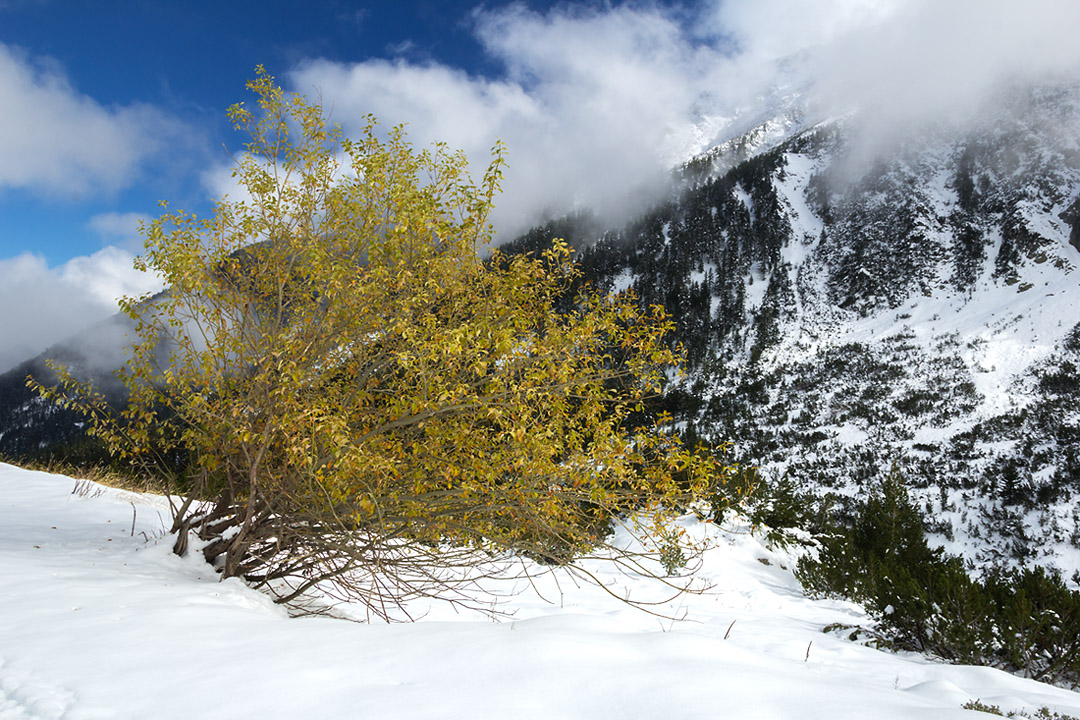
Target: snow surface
97, 621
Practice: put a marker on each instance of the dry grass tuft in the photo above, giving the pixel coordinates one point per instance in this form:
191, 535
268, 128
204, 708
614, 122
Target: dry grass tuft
86, 475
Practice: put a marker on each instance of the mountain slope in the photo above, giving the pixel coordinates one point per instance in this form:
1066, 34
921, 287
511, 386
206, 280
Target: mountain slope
32, 428
844, 308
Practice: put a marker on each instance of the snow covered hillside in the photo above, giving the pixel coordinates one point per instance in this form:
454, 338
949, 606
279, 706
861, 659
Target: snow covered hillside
99, 620
846, 305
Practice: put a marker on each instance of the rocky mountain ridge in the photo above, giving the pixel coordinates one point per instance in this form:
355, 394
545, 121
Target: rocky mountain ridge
847, 309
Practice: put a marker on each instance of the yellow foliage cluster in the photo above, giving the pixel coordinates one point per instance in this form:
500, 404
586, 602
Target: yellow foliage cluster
354, 384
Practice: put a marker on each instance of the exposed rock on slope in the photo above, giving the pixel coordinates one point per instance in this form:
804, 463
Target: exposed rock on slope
843, 308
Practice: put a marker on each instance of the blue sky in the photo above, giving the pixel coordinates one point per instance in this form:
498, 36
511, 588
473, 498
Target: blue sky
189, 62
108, 107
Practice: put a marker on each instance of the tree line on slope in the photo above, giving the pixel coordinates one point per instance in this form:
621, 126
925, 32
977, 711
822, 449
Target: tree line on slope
1025, 620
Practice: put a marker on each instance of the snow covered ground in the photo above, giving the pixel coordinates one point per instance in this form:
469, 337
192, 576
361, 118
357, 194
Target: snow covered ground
97, 621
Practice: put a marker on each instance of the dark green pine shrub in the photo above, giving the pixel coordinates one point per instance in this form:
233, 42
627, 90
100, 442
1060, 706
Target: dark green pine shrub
1037, 623
780, 506
882, 561
1043, 713
1026, 621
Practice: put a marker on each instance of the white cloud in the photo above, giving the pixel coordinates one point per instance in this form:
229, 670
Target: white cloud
933, 58
108, 275
57, 141
767, 30
589, 108
596, 104
120, 228
44, 305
